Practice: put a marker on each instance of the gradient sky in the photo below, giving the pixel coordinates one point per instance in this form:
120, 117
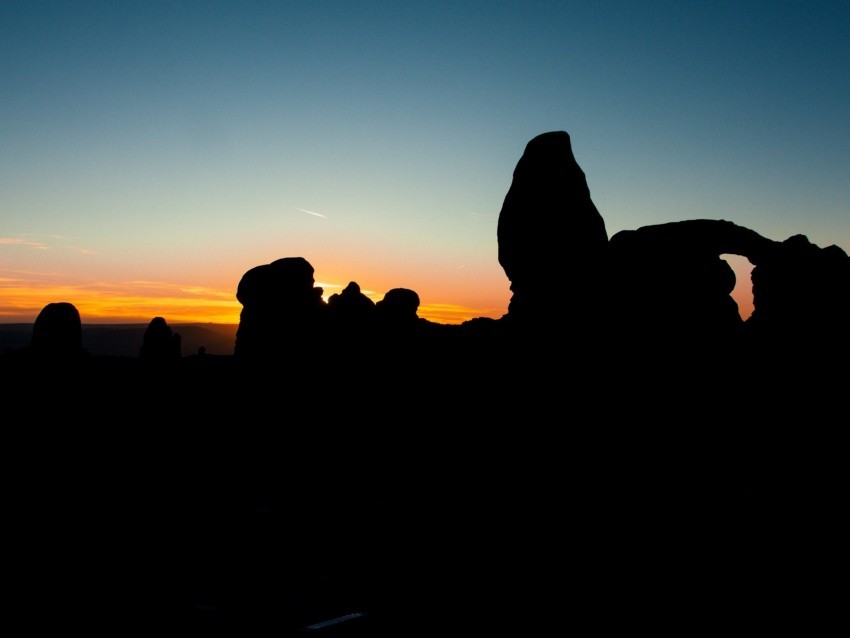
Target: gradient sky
152, 152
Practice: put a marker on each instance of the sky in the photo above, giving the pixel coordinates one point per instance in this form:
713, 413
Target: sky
154, 151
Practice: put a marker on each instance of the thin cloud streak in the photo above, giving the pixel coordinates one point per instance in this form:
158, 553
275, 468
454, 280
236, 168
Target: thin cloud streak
35, 273
12, 241
38, 245
304, 210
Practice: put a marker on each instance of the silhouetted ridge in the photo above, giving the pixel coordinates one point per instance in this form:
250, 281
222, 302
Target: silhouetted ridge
651, 292
284, 316
351, 304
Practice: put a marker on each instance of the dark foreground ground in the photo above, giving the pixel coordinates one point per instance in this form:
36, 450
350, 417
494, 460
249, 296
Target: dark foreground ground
467, 494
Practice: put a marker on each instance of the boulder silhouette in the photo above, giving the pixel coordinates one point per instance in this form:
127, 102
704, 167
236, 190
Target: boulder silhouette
281, 309
57, 332
159, 342
549, 230
397, 311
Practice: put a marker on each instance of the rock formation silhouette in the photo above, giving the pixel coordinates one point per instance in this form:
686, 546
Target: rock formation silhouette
397, 312
57, 332
801, 299
656, 486
550, 230
659, 289
351, 314
160, 342
282, 310
668, 287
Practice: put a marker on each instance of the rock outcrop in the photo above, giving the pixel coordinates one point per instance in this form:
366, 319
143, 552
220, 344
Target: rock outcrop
57, 332
660, 289
801, 299
282, 310
668, 286
160, 342
350, 312
551, 237
397, 314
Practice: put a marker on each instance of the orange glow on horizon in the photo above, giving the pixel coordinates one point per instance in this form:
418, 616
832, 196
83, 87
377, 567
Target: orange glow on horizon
141, 301
128, 302
453, 314
23, 294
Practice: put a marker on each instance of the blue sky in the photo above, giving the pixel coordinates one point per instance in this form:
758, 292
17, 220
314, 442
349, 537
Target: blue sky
158, 150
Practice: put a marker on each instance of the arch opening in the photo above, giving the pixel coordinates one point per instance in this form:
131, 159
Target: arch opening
743, 291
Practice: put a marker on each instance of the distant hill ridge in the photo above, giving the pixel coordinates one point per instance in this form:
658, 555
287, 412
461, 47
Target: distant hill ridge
125, 339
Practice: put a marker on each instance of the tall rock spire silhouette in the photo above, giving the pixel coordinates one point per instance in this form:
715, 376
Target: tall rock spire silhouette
552, 239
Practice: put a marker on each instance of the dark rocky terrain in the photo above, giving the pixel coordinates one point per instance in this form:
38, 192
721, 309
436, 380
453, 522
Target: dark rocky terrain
627, 455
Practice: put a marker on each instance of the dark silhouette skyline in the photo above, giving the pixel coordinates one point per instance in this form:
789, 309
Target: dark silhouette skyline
661, 285
587, 458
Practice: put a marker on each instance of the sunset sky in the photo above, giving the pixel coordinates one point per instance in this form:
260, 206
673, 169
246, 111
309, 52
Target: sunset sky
154, 151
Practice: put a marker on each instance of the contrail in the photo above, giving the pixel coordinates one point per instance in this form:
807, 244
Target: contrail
304, 210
